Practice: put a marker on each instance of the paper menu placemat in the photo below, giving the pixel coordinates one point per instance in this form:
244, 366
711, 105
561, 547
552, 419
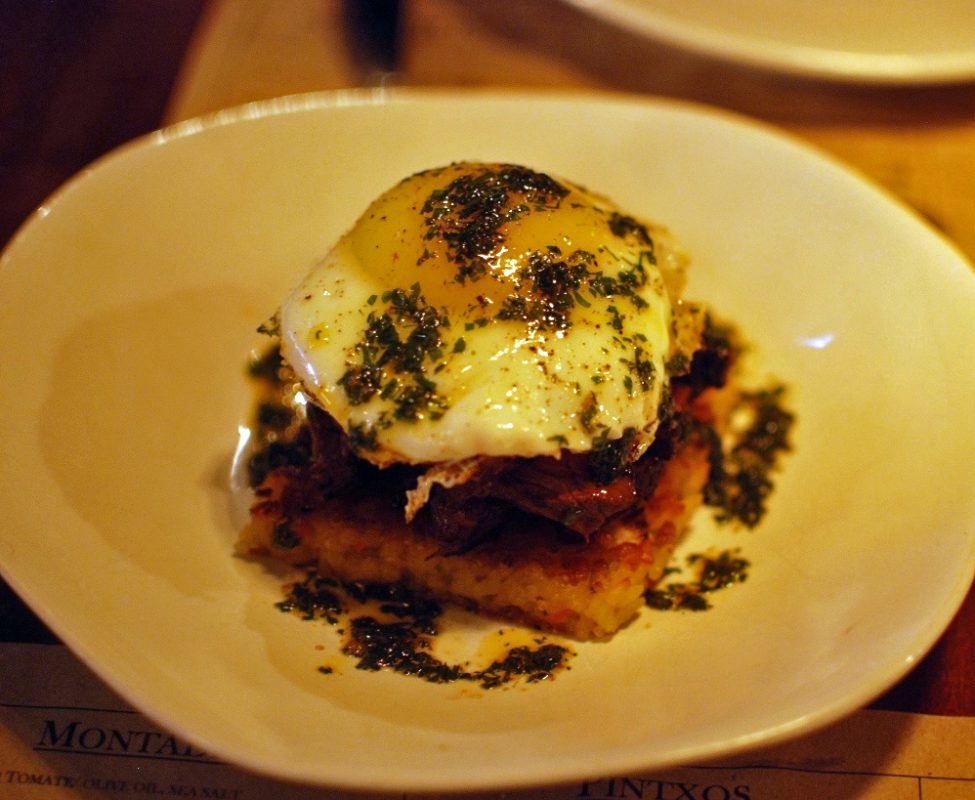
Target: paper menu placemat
65, 736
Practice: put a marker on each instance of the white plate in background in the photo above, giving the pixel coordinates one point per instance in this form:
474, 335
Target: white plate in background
130, 302
870, 41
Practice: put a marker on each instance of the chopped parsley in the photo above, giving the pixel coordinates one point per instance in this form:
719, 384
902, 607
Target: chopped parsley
589, 413
640, 368
469, 212
394, 353
610, 458
277, 436
551, 285
713, 572
740, 480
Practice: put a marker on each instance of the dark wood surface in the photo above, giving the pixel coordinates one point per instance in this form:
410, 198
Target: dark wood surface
79, 77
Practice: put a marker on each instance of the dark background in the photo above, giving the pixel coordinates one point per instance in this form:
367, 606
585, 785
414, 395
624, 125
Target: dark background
78, 78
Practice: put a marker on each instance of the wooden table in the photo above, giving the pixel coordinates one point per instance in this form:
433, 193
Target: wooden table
918, 142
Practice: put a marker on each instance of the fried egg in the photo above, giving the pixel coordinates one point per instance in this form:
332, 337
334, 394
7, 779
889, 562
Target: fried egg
487, 310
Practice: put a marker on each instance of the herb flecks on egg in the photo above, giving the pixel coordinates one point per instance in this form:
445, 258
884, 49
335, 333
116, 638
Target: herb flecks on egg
488, 310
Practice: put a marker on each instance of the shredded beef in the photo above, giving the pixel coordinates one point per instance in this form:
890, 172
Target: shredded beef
461, 519
561, 490
334, 469
577, 491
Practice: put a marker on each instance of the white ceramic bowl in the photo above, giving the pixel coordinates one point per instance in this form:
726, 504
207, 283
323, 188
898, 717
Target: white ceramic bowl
130, 301
870, 41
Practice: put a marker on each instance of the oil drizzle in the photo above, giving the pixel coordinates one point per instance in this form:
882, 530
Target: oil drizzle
400, 636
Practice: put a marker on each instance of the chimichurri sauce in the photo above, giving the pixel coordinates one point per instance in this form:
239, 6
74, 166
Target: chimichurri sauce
402, 640
279, 439
738, 487
713, 572
740, 481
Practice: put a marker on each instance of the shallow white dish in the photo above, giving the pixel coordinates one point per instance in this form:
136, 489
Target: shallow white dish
129, 307
872, 41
